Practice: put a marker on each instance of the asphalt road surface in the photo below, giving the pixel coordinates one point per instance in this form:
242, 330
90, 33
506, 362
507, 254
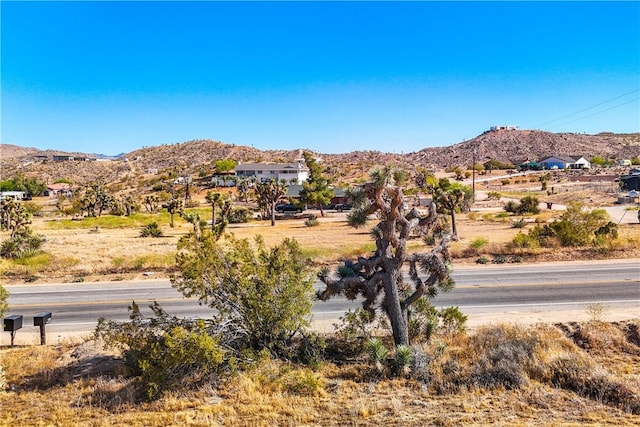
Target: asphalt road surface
487, 293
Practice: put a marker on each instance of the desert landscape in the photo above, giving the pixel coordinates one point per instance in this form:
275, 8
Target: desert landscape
580, 367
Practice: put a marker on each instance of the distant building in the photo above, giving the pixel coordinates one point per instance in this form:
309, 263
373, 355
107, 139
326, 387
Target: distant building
57, 189
63, 158
630, 182
295, 173
223, 179
499, 128
565, 162
15, 195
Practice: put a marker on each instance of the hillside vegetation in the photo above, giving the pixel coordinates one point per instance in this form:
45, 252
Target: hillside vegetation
198, 157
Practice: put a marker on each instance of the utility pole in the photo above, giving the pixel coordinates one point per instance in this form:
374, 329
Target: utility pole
473, 177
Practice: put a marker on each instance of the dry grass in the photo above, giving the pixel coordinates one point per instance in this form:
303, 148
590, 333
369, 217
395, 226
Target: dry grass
111, 249
43, 389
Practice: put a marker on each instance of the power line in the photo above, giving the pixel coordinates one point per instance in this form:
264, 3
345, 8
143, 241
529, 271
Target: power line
590, 108
595, 114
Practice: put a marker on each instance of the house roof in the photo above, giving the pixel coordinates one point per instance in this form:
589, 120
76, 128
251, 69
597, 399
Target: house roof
293, 190
59, 186
564, 158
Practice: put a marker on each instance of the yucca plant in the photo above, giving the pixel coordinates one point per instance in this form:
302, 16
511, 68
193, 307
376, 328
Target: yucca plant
151, 230
403, 359
377, 352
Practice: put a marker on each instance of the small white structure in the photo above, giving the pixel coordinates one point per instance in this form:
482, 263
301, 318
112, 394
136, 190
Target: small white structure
295, 173
498, 128
15, 195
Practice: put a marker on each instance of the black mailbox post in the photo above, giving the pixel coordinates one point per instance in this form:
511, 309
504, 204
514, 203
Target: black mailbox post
12, 324
42, 319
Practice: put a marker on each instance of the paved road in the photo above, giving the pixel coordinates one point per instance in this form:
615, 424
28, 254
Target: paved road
497, 291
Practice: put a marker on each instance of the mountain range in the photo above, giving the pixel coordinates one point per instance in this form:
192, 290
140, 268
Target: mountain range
198, 156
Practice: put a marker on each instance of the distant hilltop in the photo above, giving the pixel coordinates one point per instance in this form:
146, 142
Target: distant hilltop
498, 128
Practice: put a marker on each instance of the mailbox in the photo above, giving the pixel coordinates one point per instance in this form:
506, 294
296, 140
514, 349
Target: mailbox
42, 319
13, 323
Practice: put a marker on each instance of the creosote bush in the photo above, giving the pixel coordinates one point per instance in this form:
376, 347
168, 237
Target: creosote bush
165, 352
527, 205
260, 299
576, 227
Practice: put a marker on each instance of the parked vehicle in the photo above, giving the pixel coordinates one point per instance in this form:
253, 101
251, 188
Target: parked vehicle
343, 207
288, 208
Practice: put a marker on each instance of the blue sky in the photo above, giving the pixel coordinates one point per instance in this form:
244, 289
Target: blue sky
111, 77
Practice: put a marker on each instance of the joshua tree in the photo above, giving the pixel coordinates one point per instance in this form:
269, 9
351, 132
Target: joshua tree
378, 278
269, 193
151, 203
96, 199
193, 218
214, 200
173, 206
244, 186
451, 197
218, 200
13, 216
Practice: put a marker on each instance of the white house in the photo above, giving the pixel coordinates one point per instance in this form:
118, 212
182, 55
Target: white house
15, 195
59, 188
295, 173
565, 162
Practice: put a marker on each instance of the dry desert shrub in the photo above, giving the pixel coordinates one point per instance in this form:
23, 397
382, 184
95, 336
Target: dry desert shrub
514, 356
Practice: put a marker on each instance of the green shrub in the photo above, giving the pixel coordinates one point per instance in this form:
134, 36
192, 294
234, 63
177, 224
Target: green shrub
239, 215
264, 293
4, 305
312, 221
453, 321
151, 230
423, 320
482, 260
166, 353
511, 206
519, 223
579, 227
524, 241
479, 243
527, 205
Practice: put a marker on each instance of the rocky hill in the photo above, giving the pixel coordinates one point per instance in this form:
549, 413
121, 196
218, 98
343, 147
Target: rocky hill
198, 157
